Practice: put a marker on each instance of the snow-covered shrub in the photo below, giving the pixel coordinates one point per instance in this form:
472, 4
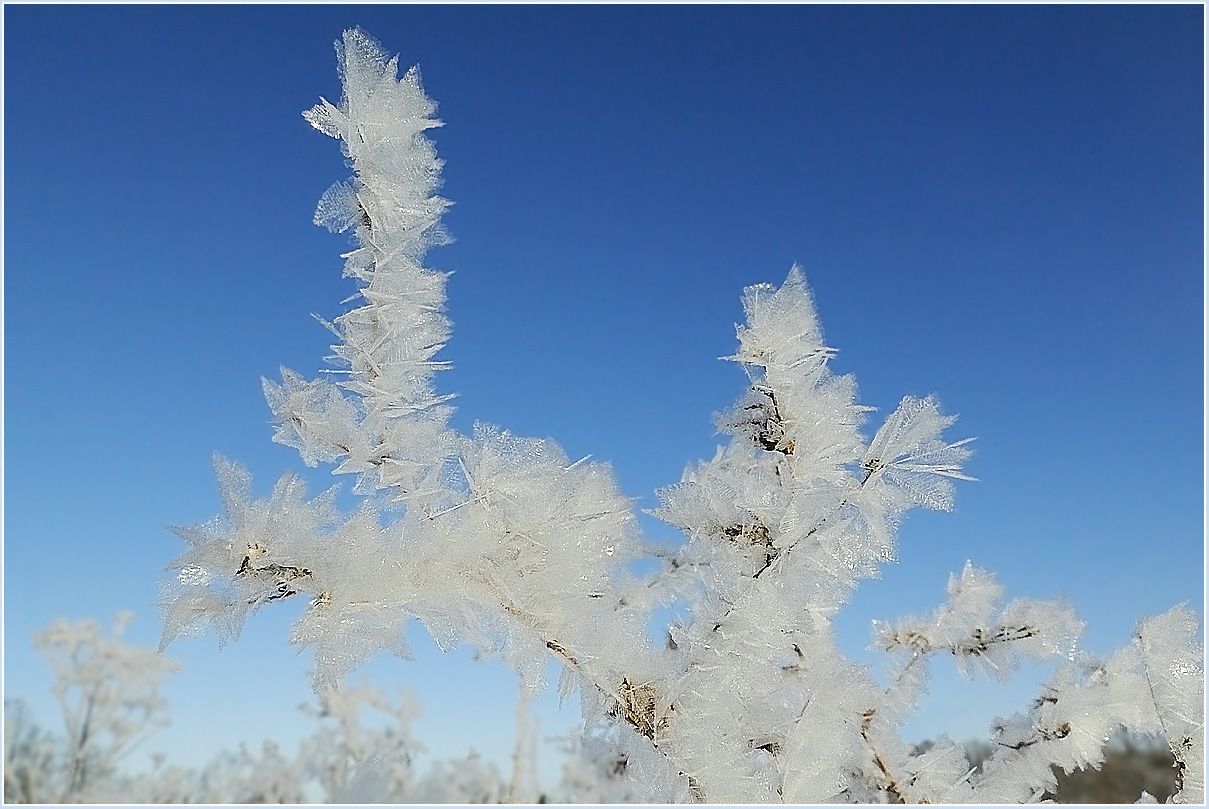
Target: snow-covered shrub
506, 543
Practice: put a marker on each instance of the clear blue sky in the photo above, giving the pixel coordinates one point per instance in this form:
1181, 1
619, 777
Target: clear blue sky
1001, 205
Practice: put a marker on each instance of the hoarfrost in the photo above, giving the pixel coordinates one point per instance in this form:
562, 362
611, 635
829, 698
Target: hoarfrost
499, 541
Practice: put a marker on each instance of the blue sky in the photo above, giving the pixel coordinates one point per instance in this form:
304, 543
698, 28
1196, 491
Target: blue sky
999, 205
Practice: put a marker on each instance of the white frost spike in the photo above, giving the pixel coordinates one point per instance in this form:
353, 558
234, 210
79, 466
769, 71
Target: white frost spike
782, 327
1174, 662
327, 119
338, 208
314, 418
908, 452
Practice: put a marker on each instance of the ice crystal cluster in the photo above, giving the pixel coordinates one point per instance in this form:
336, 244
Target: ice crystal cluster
505, 543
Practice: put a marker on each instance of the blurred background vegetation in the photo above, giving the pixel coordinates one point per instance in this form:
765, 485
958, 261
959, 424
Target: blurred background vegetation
1133, 764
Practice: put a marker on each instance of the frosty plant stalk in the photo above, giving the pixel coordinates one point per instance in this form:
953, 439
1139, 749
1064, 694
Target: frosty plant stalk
505, 543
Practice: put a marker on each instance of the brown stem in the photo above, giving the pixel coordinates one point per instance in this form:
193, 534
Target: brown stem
891, 787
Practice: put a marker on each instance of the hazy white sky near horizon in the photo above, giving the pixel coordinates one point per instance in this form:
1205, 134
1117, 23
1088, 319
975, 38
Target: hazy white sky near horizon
1001, 205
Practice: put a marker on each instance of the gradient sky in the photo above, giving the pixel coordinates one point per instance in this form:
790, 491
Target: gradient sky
999, 205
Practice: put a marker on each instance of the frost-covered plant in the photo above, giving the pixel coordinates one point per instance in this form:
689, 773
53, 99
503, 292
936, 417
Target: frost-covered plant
108, 692
362, 751
505, 543
33, 762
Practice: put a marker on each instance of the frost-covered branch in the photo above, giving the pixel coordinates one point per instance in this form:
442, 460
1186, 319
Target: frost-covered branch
501, 542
